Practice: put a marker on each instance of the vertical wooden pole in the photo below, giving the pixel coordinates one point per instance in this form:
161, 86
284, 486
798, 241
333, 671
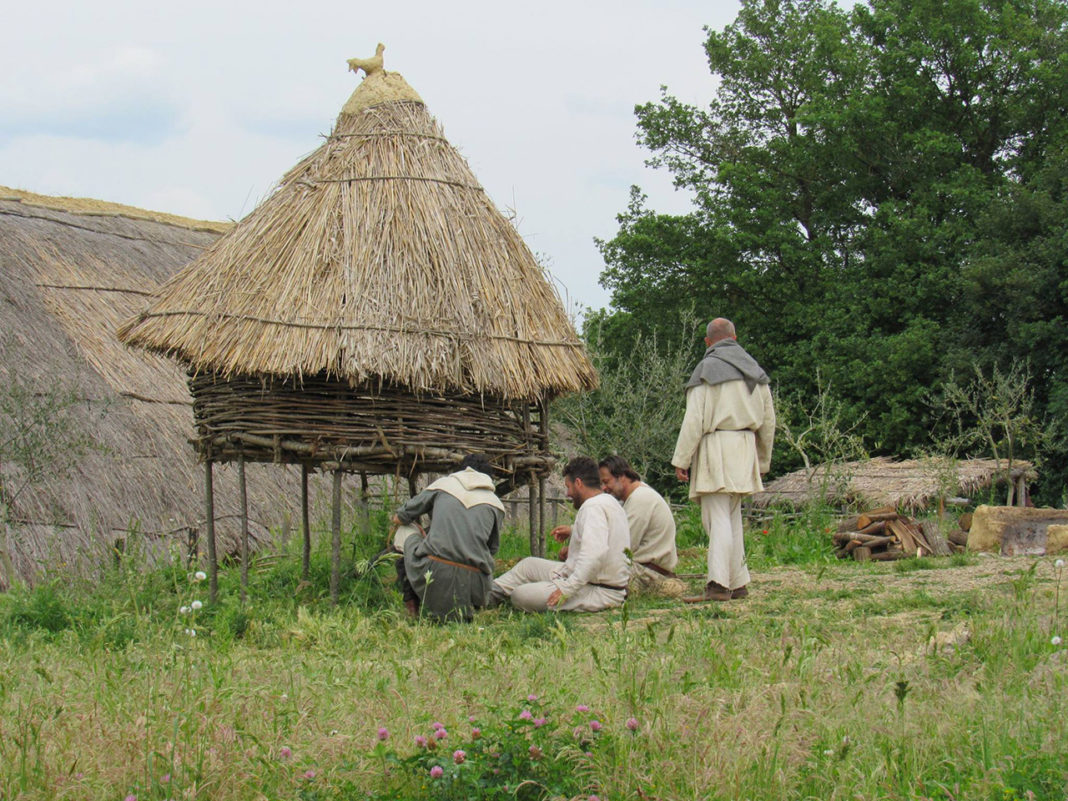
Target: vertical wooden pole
305, 527
1021, 490
243, 490
335, 541
543, 428
535, 535
365, 503
209, 513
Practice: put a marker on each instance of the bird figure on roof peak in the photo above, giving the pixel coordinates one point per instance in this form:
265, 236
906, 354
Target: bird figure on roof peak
368, 65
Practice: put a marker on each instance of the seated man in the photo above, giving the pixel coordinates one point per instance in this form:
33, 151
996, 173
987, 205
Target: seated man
652, 528
594, 577
449, 571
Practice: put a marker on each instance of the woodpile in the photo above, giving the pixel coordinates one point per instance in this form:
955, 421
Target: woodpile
883, 535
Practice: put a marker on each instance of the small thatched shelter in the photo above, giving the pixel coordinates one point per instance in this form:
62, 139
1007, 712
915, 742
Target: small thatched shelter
375, 314
70, 271
911, 484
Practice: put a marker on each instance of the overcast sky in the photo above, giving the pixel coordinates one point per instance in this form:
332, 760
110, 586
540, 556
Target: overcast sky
198, 108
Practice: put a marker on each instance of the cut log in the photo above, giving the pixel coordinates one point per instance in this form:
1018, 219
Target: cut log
965, 521
888, 556
878, 527
886, 513
958, 538
901, 530
862, 554
938, 542
847, 524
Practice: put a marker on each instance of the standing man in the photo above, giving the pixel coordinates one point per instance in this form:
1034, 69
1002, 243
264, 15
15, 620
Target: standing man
723, 448
594, 577
448, 572
652, 528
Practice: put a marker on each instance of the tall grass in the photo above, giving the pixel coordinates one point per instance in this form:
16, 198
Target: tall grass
823, 684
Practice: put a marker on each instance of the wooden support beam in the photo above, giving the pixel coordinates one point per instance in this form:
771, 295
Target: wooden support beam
335, 541
305, 526
243, 492
209, 514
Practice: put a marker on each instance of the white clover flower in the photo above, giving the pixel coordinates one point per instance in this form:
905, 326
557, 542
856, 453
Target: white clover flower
191, 632
197, 605
184, 610
200, 575
1059, 563
1056, 640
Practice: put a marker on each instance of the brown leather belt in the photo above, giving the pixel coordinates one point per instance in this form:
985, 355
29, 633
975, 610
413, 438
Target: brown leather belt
657, 569
607, 586
454, 564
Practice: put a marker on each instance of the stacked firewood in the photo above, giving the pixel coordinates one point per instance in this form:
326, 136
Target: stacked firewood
881, 535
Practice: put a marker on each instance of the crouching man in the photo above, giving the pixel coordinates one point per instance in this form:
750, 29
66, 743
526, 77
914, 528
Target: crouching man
447, 573
595, 575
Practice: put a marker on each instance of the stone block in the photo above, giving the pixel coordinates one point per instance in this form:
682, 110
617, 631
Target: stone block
1015, 530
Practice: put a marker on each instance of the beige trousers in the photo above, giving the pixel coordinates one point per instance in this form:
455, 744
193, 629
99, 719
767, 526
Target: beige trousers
529, 586
721, 514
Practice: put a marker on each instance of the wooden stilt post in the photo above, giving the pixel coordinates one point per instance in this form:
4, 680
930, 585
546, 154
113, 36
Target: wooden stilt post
335, 541
243, 490
543, 428
209, 513
305, 527
365, 503
535, 535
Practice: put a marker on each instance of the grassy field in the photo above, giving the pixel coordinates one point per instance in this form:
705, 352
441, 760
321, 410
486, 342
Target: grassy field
933, 679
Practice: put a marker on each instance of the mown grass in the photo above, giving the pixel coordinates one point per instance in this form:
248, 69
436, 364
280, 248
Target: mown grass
832, 681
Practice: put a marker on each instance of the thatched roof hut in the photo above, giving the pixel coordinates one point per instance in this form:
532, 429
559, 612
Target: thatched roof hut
70, 271
376, 312
910, 484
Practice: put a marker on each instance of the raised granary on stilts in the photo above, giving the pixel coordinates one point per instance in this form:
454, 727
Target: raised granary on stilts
375, 314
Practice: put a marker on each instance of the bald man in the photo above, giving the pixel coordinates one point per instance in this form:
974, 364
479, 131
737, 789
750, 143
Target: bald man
724, 447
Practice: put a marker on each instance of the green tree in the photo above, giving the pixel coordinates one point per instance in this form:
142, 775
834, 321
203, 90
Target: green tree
861, 182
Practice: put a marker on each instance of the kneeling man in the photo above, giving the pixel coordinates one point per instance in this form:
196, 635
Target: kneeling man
594, 577
449, 571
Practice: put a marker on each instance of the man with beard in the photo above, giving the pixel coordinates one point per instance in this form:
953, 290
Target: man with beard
594, 577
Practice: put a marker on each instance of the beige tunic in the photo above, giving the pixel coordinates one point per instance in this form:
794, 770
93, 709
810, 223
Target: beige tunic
726, 438
652, 528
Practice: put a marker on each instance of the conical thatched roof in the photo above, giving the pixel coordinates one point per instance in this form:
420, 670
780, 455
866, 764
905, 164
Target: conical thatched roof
379, 259
70, 270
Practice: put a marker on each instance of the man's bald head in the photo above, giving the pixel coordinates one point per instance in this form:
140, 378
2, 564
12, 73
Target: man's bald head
719, 329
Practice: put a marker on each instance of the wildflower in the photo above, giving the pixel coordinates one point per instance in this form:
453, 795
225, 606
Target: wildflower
435, 726
420, 741
632, 724
1056, 640
440, 734
1059, 563
309, 774
828, 752
539, 722
593, 798
436, 771
532, 698
582, 708
525, 715
459, 756
333, 732
131, 797
476, 733
765, 531
197, 605
535, 752
166, 777
595, 725
285, 752
191, 632
383, 733
471, 718
184, 610
200, 575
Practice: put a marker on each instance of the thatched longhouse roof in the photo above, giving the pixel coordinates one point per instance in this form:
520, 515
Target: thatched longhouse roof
70, 270
378, 260
910, 484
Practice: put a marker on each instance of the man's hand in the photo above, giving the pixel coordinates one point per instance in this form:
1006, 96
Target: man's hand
396, 521
561, 533
562, 556
682, 474
554, 599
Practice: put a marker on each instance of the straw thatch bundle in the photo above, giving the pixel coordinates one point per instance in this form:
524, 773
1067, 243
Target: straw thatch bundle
376, 312
910, 484
70, 270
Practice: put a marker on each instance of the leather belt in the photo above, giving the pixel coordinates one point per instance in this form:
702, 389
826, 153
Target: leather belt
454, 564
657, 569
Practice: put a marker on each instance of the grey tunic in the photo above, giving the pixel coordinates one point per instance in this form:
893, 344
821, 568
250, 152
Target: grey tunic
459, 534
